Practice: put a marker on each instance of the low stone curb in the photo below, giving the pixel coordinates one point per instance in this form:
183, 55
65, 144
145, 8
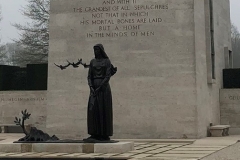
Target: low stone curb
120, 147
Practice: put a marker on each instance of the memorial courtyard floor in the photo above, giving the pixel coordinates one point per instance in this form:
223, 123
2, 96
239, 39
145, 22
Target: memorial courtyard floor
148, 149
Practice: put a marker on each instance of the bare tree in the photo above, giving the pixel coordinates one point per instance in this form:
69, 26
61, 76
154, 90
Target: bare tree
235, 37
34, 39
2, 47
0, 13
2, 54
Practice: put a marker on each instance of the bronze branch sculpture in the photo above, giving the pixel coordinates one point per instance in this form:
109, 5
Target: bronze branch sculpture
35, 135
18, 121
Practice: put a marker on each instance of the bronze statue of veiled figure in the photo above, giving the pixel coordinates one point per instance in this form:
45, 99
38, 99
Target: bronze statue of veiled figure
99, 114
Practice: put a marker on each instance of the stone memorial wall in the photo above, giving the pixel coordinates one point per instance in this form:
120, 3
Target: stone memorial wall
151, 43
13, 102
230, 109
163, 87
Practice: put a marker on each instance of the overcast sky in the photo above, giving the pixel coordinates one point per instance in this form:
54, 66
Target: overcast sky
11, 14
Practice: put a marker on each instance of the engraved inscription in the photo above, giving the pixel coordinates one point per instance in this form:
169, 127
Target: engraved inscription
234, 97
22, 99
120, 18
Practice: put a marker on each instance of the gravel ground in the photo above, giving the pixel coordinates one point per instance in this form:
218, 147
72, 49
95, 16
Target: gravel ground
229, 153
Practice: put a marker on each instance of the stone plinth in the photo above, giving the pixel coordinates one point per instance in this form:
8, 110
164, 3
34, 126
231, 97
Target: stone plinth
120, 147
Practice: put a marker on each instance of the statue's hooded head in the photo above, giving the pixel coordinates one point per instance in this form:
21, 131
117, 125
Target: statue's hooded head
99, 51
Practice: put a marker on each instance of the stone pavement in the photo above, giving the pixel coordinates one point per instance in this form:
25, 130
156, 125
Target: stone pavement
144, 149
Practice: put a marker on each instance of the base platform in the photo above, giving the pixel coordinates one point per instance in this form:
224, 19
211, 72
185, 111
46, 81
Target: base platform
119, 147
